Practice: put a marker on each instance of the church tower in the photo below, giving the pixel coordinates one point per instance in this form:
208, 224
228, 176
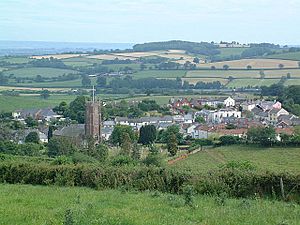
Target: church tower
93, 119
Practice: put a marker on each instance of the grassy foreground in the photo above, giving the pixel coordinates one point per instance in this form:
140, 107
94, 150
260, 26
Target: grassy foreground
25, 204
278, 159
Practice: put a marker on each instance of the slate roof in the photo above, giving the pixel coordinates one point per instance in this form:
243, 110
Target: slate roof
73, 130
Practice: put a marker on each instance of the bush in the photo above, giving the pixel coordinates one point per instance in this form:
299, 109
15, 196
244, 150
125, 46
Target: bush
153, 160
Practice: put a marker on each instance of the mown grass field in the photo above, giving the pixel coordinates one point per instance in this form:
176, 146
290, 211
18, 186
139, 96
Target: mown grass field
43, 71
277, 159
255, 63
238, 83
36, 205
243, 73
225, 52
159, 74
10, 103
80, 61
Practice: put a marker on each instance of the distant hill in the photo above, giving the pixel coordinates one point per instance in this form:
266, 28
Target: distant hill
202, 48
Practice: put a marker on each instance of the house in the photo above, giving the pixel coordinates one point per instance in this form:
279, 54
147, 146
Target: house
274, 113
137, 123
201, 131
188, 119
180, 103
46, 114
239, 132
106, 132
268, 105
74, 132
43, 137
109, 123
248, 106
228, 102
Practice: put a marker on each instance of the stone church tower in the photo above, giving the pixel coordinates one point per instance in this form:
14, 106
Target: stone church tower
93, 119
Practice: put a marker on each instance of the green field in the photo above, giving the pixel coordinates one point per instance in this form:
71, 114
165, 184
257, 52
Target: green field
292, 82
204, 79
15, 59
34, 71
278, 159
226, 52
288, 55
80, 61
10, 103
159, 74
243, 73
238, 83
36, 205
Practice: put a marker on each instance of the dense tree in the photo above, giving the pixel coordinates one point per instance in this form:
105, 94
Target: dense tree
101, 152
288, 76
165, 135
86, 81
228, 140
200, 119
60, 146
3, 79
172, 145
225, 67
30, 122
118, 133
265, 136
76, 110
196, 60
126, 145
101, 81
48, 62
136, 152
280, 66
45, 94
32, 137
148, 105
249, 67
262, 74
147, 134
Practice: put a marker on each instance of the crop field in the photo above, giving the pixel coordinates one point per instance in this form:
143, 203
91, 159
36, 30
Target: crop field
110, 57
57, 56
35, 205
288, 55
10, 103
34, 71
255, 63
237, 83
159, 74
277, 159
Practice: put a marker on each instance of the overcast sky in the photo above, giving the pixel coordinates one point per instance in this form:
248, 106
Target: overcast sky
136, 21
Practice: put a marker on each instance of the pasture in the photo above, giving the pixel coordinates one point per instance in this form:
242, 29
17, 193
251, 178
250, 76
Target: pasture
288, 55
238, 83
279, 159
35, 205
80, 61
34, 71
10, 103
159, 74
277, 73
194, 81
255, 63
15, 59
226, 52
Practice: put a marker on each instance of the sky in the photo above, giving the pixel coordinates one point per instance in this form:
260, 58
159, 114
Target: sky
139, 21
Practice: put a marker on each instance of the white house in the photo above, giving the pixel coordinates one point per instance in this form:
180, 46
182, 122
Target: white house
229, 102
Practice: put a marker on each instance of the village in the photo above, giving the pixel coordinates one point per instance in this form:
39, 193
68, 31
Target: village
197, 118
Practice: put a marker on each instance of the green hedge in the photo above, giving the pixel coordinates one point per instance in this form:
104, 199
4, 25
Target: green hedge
233, 182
